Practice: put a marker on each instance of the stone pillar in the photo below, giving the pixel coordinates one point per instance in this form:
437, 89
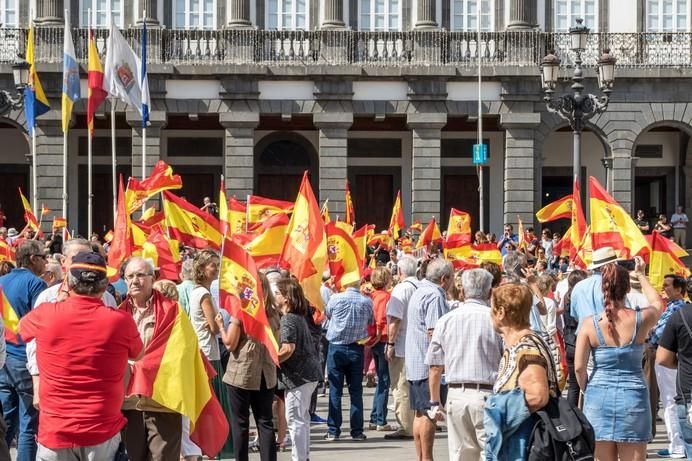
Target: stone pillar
238, 12
622, 177
520, 160
333, 14
50, 13
333, 145
49, 165
522, 14
426, 14
425, 188
157, 121
151, 8
239, 157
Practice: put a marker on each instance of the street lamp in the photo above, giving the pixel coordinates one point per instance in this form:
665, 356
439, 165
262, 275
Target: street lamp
14, 100
575, 107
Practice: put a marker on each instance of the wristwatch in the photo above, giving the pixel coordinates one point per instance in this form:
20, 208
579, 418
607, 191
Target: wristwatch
434, 404
390, 344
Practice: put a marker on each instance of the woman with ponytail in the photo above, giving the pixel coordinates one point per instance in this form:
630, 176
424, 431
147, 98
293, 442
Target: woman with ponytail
616, 400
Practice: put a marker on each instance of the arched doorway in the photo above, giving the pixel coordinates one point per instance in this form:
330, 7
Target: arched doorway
14, 172
280, 160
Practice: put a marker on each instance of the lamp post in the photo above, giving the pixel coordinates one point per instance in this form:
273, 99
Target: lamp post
14, 101
577, 108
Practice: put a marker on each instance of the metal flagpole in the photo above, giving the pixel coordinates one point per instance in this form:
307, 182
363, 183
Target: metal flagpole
481, 217
64, 162
114, 163
89, 168
34, 175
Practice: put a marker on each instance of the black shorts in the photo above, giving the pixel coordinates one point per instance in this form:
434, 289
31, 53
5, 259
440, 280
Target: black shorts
419, 394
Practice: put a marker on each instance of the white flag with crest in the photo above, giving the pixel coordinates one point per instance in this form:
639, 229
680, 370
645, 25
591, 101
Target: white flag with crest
122, 70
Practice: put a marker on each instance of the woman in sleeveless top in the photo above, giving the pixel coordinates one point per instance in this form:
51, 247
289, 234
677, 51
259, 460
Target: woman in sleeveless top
616, 397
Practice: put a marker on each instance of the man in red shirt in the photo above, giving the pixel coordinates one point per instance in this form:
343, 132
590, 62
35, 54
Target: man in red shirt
82, 352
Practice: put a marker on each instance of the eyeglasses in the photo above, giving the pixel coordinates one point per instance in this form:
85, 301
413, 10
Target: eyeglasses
41, 256
139, 276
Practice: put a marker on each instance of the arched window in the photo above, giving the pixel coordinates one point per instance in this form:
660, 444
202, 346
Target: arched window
280, 160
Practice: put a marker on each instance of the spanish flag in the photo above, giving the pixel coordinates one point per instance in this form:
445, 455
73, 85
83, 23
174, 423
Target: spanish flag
148, 214
561, 208
161, 179
59, 223
663, 261
223, 209
486, 252
350, 211
396, 222
261, 208
578, 227
237, 216
35, 101
564, 246
360, 237
29, 215
383, 239
189, 225
6, 252
305, 245
158, 375
240, 291
266, 247
458, 229
674, 247
325, 213
459, 253
345, 263
163, 253
121, 246
416, 226
611, 225
95, 92
140, 234
10, 319
431, 234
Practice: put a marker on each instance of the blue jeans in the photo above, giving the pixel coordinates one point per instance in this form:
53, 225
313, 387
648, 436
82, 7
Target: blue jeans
345, 361
16, 395
685, 429
379, 405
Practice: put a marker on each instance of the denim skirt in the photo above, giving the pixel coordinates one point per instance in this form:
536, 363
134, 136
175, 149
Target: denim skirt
619, 410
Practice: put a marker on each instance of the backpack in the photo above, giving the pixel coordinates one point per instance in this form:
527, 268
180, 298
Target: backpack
561, 433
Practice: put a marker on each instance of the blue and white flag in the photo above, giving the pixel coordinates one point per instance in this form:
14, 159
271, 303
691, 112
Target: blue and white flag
144, 82
70, 78
122, 70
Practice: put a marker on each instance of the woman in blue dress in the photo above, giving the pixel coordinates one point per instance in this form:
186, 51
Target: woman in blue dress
616, 400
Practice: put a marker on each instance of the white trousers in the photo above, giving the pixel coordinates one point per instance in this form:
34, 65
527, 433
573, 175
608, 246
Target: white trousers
101, 452
667, 378
298, 419
465, 430
187, 446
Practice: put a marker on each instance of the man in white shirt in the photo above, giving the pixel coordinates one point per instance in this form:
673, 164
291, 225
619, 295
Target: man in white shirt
679, 222
396, 346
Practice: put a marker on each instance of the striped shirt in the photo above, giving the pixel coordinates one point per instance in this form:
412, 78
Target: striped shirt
349, 315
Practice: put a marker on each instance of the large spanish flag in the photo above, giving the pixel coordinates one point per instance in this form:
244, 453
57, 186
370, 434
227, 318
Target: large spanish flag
663, 261
360, 237
189, 225
345, 263
175, 374
10, 319
6, 252
266, 247
611, 225
95, 92
674, 247
305, 245
431, 234
350, 211
161, 179
237, 216
29, 215
486, 252
260, 208
458, 229
396, 222
164, 254
383, 239
561, 208
240, 291
122, 245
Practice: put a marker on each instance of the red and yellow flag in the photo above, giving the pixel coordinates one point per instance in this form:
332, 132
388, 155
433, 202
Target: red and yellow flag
161, 179
189, 225
121, 246
431, 234
458, 229
486, 252
561, 208
237, 216
325, 213
240, 291
578, 226
611, 225
10, 319
350, 211
383, 239
663, 261
163, 253
108, 237
266, 247
305, 245
157, 375
6, 252
396, 222
29, 215
416, 226
360, 237
59, 223
95, 92
223, 210
345, 263
260, 208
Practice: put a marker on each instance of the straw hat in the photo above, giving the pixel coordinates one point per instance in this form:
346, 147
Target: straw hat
603, 256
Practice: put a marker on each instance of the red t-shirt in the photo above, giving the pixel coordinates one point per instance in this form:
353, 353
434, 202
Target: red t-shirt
380, 298
82, 348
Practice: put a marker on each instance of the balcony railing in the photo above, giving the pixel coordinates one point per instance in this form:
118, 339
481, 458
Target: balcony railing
357, 48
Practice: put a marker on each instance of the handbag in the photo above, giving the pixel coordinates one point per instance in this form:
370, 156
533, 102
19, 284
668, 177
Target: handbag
121, 453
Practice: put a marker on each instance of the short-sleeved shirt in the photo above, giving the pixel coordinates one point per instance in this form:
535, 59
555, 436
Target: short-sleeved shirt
671, 308
302, 366
586, 299
427, 304
82, 351
21, 288
397, 307
679, 221
530, 350
207, 340
677, 339
349, 315
184, 290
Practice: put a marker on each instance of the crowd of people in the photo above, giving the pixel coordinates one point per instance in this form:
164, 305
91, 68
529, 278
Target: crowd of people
483, 349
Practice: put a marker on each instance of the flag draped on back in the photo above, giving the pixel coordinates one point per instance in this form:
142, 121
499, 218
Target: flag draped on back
123, 70
611, 225
173, 347
6, 252
350, 217
396, 222
9, 319
70, 78
240, 292
29, 215
663, 261
161, 179
345, 263
561, 208
96, 94
35, 101
189, 225
305, 245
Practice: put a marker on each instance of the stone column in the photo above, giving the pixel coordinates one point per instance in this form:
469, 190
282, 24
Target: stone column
49, 165
426, 14
239, 158
333, 14
151, 7
520, 160
426, 172
157, 121
238, 12
333, 145
50, 12
522, 14
622, 177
